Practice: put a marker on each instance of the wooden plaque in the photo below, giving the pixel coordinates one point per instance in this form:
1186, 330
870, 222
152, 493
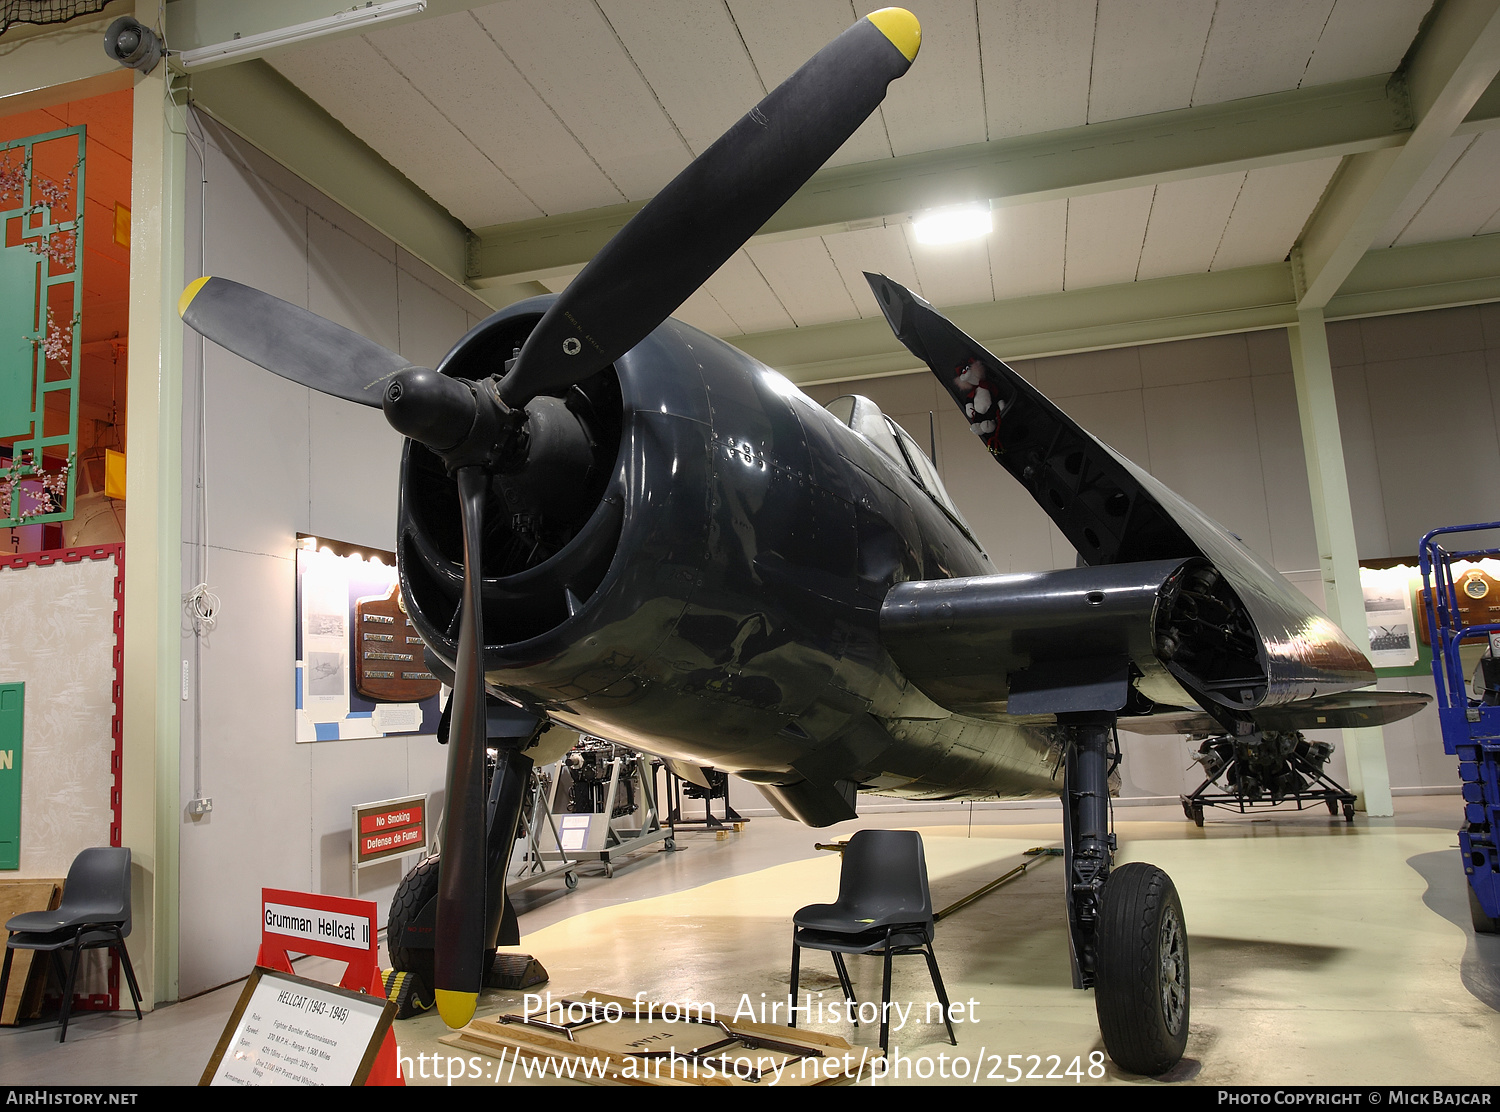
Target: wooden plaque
388, 664
1478, 602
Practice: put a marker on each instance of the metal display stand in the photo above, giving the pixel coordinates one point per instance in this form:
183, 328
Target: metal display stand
529, 863
718, 788
1297, 777
616, 826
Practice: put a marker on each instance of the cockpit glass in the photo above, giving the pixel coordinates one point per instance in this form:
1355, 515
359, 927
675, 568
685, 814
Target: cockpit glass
864, 417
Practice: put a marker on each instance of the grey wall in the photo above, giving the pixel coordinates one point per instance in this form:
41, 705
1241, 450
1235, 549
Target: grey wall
1216, 419
281, 460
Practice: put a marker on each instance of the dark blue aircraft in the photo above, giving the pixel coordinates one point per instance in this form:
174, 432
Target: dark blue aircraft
612, 521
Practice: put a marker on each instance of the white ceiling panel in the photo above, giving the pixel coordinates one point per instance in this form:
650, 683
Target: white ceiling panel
568, 53
742, 292
1260, 47
1146, 56
804, 278
1431, 178
358, 87
691, 54
1105, 233
952, 273
1363, 37
1187, 222
939, 105
782, 34
1465, 201
501, 115
879, 251
702, 311
1026, 249
1036, 64
1270, 212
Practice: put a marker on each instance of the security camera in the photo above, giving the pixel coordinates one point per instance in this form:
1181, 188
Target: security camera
133, 44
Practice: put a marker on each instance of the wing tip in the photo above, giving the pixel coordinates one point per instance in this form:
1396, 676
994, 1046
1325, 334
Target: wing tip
901, 27
188, 294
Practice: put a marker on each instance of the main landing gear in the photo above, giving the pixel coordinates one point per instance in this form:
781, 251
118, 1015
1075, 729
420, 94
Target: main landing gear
1128, 939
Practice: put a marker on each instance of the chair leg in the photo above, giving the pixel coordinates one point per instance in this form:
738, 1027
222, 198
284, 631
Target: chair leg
942, 993
847, 984
67, 1002
885, 1000
135, 989
796, 963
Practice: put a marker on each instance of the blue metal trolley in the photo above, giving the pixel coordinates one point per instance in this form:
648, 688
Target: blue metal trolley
1471, 725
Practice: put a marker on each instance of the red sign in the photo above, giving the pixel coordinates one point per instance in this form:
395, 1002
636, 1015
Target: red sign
331, 927
389, 828
400, 816
372, 844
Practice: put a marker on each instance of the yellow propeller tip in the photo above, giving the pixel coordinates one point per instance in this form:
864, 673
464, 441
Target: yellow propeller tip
456, 1008
901, 27
188, 294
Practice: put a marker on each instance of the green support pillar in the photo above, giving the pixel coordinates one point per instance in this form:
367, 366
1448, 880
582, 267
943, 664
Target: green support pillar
1333, 521
153, 528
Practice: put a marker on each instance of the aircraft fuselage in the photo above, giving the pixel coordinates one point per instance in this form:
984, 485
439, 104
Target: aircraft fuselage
736, 624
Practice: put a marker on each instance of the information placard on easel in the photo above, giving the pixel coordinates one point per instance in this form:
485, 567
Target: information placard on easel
287, 1030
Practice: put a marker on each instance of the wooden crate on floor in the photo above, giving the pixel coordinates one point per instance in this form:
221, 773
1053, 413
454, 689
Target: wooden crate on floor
23, 996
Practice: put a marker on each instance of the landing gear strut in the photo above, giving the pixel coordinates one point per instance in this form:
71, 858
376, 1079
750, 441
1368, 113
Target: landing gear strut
1125, 926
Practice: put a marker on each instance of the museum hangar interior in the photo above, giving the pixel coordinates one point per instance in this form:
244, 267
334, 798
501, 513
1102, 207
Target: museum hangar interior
1252, 245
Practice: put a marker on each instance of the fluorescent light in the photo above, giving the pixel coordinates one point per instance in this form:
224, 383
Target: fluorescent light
362, 16
953, 224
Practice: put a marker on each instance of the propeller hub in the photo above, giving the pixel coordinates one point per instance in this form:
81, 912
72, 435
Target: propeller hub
464, 422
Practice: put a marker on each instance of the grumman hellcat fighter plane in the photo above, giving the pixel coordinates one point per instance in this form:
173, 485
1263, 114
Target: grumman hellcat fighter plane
612, 521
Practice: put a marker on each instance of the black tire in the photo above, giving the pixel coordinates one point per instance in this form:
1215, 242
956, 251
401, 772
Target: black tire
1142, 986
1483, 924
412, 894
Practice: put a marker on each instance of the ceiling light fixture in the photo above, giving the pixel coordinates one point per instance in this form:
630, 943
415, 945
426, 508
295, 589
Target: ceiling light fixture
240, 46
953, 224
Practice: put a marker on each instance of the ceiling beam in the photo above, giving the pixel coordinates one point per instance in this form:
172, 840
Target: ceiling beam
1451, 67
255, 101
1392, 280
1319, 122
196, 23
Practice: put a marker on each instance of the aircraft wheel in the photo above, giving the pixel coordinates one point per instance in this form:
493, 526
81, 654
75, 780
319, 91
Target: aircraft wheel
412, 894
1483, 924
1141, 989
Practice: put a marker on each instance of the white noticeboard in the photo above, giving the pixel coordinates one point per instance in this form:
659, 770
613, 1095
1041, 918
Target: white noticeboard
288, 1030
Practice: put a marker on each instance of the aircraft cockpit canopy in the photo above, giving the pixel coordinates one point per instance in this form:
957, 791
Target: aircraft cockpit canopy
864, 417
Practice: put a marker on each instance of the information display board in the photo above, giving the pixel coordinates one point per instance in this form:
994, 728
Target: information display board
287, 1030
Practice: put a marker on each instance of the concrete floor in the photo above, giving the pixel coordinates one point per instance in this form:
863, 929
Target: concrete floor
1321, 954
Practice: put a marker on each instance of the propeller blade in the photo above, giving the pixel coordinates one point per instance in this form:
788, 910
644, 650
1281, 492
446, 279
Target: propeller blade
459, 939
708, 211
289, 341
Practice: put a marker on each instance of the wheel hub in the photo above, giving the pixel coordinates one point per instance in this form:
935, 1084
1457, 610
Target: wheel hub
1173, 971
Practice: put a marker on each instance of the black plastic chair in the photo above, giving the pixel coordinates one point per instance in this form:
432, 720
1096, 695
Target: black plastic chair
95, 912
884, 907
